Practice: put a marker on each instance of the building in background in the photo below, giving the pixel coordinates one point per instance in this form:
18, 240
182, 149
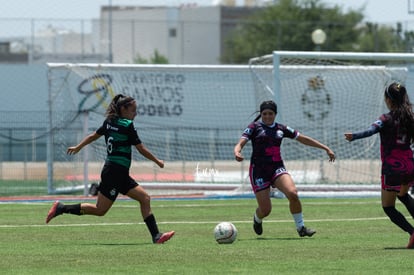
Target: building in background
7, 56
187, 34
184, 35
63, 45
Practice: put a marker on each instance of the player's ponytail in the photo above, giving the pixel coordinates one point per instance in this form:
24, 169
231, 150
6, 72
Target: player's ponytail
114, 108
258, 116
402, 111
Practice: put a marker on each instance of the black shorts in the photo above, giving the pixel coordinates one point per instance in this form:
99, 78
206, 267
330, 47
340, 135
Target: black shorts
263, 175
115, 179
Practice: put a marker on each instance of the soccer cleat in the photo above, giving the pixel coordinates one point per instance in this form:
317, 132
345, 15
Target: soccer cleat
306, 232
54, 211
410, 244
258, 228
163, 237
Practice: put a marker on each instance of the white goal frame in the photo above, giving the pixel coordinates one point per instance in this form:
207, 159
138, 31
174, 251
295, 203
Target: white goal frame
277, 55
274, 62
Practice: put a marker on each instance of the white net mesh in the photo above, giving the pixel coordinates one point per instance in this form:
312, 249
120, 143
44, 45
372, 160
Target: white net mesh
189, 116
323, 98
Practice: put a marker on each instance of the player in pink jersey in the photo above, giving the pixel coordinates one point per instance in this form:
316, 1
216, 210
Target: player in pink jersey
267, 168
396, 130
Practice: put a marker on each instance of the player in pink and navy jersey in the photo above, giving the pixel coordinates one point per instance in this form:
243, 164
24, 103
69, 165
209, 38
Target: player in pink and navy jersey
396, 129
267, 168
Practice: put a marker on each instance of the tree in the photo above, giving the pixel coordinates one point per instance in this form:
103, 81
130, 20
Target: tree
375, 38
288, 25
156, 58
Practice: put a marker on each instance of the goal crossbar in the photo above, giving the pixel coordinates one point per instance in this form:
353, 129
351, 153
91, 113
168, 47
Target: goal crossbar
376, 56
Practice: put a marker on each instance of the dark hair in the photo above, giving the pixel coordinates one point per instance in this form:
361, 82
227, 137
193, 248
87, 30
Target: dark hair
402, 111
268, 104
114, 108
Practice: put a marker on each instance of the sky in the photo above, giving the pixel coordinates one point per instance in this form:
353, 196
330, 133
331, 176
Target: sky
380, 11
376, 10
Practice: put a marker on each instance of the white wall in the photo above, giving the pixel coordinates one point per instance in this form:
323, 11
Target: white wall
197, 39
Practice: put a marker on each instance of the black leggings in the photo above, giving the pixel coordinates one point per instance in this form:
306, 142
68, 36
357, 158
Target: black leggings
398, 218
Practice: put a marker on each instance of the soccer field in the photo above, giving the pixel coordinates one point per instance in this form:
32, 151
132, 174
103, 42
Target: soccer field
353, 237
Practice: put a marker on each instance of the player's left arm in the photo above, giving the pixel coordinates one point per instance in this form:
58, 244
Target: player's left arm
314, 143
147, 154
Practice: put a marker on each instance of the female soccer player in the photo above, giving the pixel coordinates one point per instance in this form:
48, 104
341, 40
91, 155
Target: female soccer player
396, 130
120, 135
267, 168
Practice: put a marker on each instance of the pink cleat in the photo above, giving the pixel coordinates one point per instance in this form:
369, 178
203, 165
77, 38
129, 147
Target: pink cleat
54, 211
163, 237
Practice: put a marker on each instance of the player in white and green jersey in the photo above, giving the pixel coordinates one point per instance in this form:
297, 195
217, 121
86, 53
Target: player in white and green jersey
120, 134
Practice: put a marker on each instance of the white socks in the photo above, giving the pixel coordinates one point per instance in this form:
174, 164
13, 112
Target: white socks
256, 218
298, 217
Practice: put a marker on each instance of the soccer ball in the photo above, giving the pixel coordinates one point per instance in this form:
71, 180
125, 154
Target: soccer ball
225, 233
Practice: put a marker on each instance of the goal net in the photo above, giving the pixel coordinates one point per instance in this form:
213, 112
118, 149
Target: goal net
189, 116
323, 95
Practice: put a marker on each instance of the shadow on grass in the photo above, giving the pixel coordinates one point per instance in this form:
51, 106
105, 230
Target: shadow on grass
396, 248
273, 239
119, 244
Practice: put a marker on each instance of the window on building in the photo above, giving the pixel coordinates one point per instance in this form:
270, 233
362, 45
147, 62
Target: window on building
172, 32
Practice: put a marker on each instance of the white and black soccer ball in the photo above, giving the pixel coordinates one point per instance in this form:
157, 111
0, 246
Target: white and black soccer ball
225, 233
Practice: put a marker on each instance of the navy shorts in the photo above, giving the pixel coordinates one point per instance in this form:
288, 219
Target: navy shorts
397, 171
393, 183
263, 175
115, 179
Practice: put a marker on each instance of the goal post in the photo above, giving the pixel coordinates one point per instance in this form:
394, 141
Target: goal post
192, 116
324, 95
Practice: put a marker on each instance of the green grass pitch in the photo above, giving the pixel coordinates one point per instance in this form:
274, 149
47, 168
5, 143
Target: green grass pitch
353, 237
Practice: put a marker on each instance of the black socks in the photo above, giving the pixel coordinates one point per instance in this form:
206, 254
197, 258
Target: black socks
152, 225
408, 201
74, 209
397, 218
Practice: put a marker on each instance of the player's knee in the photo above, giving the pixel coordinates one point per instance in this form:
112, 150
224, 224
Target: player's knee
388, 210
266, 211
145, 200
100, 212
292, 195
391, 212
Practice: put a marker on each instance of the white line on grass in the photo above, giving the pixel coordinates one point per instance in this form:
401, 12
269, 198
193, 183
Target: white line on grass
183, 222
155, 204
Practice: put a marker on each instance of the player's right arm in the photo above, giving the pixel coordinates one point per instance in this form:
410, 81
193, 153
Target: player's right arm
238, 148
246, 136
88, 139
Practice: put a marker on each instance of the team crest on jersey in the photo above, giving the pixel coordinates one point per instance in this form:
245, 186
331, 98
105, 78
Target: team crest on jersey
279, 133
378, 123
248, 131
